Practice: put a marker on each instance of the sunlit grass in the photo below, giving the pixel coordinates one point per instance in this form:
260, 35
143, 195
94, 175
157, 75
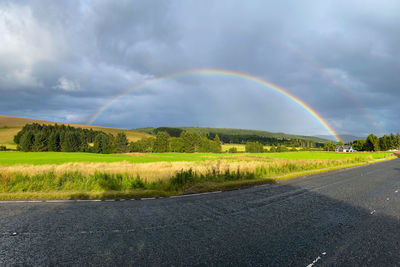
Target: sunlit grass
40, 158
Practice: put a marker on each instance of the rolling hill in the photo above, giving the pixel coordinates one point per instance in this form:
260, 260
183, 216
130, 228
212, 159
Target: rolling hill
232, 131
10, 126
345, 137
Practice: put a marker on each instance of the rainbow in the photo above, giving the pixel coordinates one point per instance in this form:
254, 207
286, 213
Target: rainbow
308, 59
223, 73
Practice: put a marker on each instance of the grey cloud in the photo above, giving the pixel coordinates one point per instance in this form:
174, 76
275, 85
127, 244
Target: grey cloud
63, 60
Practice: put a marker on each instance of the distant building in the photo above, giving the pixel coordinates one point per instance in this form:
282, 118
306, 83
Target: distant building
344, 148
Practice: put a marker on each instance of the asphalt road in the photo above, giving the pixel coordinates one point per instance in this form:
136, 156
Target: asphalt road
344, 218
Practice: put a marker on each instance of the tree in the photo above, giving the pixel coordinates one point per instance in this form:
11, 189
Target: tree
176, 144
54, 142
359, 145
71, 142
372, 143
189, 142
329, 146
218, 145
103, 143
121, 143
161, 144
143, 145
392, 141
26, 141
40, 143
384, 143
281, 148
254, 147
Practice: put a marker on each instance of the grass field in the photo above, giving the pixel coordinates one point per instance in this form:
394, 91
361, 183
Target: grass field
86, 175
40, 158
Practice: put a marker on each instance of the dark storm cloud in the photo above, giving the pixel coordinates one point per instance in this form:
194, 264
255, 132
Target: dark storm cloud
63, 60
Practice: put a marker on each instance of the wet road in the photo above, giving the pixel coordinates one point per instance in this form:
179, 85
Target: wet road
342, 218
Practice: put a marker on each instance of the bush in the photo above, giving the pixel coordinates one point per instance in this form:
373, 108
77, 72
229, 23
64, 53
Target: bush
232, 150
254, 147
3, 148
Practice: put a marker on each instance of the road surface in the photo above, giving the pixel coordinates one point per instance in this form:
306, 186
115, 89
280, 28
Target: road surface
343, 218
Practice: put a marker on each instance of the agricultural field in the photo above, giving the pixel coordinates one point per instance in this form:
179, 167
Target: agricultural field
242, 147
89, 175
239, 147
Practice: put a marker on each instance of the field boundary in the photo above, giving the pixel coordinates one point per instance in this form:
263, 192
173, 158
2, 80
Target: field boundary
200, 188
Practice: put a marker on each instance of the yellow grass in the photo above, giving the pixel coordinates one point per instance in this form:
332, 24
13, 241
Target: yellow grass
9, 146
239, 147
7, 135
164, 170
242, 147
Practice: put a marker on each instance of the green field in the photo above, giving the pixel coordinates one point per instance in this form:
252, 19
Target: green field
40, 158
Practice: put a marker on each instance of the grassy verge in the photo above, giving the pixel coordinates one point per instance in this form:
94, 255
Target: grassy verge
102, 185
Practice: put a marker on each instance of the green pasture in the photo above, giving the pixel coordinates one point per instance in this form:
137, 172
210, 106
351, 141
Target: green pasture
40, 158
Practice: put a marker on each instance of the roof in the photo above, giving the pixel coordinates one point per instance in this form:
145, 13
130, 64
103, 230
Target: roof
345, 147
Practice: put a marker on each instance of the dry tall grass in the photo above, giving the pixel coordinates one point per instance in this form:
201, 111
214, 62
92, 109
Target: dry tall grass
164, 170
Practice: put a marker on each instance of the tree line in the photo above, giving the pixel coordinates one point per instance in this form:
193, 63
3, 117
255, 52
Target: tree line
61, 138
266, 141
188, 142
371, 143
57, 138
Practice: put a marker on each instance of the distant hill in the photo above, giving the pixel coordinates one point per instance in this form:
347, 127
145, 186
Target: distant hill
345, 137
10, 126
231, 131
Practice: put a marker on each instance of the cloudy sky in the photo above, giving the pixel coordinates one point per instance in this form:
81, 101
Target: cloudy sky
64, 60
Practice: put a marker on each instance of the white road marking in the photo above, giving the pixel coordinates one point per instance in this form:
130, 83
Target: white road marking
99, 200
316, 260
197, 194
59, 201
21, 201
147, 198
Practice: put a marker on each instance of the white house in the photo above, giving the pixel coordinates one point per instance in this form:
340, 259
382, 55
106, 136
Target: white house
344, 148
